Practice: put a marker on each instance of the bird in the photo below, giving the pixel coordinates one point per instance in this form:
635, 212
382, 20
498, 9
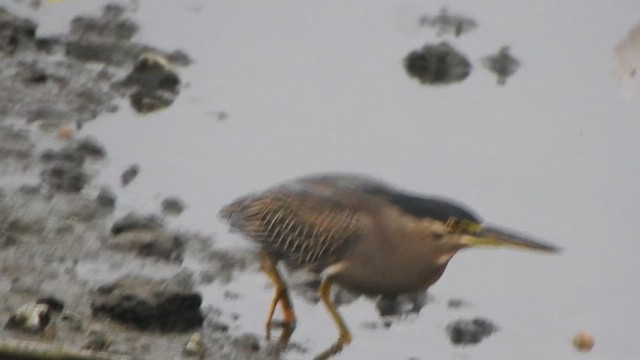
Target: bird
361, 233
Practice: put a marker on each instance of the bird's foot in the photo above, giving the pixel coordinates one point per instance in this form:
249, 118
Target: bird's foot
287, 328
332, 351
345, 338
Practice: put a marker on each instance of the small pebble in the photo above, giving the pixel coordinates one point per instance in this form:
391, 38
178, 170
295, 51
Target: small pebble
129, 174
106, 198
65, 132
583, 341
172, 206
30, 317
194, 346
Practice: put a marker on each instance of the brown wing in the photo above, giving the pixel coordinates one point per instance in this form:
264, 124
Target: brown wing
303, 229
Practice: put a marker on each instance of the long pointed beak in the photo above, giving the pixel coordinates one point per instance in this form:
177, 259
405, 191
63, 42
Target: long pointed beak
492, 236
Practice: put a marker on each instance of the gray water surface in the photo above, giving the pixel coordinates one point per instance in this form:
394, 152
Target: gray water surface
320, 86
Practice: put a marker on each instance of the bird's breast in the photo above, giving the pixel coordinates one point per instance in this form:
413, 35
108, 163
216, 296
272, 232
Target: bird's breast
381, 264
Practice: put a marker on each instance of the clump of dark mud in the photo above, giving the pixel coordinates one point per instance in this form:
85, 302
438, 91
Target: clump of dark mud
502, 64
108, 39
442, 64
39, 85
133, 221
106, 198
470, 332
172, 206
438, 64
145, 235
129, 174
149, 304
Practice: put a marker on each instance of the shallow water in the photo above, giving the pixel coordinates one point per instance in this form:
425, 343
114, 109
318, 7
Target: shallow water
321, 87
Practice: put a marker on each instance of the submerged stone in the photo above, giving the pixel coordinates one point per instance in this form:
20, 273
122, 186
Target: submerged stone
438, 64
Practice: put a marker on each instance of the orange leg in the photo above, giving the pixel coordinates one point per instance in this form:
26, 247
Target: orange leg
344, 337
281, 295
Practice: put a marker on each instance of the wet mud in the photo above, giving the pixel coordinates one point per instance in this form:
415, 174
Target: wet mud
55, 222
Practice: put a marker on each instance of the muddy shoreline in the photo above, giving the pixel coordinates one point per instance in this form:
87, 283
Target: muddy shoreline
56, 224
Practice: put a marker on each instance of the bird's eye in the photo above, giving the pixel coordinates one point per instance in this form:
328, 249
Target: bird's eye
453, 224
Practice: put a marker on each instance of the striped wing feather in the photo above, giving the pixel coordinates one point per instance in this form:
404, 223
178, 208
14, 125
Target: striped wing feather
301, 229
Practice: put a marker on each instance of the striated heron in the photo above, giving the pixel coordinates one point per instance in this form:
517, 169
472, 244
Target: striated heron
359, 233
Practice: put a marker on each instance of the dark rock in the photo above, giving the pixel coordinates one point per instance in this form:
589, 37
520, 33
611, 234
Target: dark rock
154, 243
437, 64
129, 174
64, 177
503, 64
149, 304
106, 198
54, 304
153, 72
172, 206
133, 221
154, 83
91, 147
467, 332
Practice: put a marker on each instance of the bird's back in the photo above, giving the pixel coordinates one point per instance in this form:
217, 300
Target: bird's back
302, 228
314, 221
415, 205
